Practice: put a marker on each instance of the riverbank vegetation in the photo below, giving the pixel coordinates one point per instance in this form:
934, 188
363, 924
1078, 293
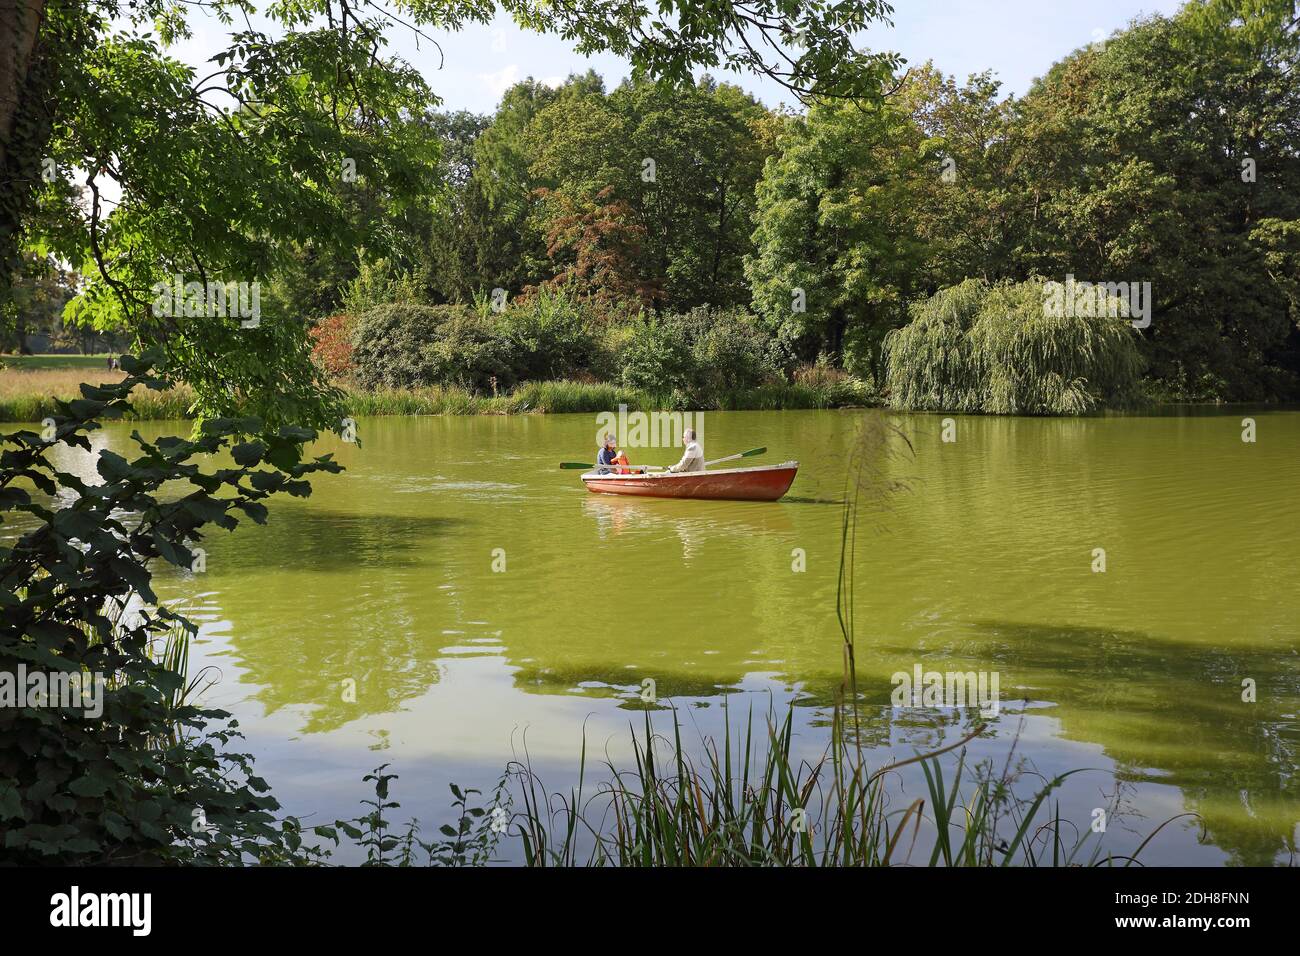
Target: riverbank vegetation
33, 397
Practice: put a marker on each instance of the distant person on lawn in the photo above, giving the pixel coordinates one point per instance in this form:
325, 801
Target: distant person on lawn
693, 459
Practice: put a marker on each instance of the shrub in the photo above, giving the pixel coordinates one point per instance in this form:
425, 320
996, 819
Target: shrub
699, 356
390, 344
412, 346
379, 282
470, 351
730, 352
331, 344
657, 355
980, 348
550, 336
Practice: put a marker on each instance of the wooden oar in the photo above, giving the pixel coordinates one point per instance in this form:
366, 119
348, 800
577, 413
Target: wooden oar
571, 465
744, 454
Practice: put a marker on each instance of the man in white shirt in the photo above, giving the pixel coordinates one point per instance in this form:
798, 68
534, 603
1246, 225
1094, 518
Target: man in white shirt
693, 459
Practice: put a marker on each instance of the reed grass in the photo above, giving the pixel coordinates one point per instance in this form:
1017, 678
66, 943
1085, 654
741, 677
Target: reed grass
29, 396
751, 802
563, 396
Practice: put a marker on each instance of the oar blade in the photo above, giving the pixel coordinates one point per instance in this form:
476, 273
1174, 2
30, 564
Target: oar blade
752, 452
575, 465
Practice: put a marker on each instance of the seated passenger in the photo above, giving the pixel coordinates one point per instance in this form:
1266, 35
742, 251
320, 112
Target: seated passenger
606, 456
693, 458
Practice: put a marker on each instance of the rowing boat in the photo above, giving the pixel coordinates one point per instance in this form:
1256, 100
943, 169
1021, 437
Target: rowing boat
764, 483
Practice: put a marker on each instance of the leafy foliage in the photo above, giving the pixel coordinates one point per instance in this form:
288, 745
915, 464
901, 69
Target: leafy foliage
332, 344
1159, 157
701, 355
696, 359
407, 346
149, 779
656, 355
981, 348
836, 249
552, 335
596, 244
661, 178
471, 842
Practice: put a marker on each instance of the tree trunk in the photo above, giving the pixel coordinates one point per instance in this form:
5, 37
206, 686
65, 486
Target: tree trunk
835, 328
20, 23
719, 238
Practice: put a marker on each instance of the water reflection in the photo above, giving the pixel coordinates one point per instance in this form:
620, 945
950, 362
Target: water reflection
693, 522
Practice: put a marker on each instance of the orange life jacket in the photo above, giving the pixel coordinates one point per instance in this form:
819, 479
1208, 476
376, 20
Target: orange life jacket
621, 460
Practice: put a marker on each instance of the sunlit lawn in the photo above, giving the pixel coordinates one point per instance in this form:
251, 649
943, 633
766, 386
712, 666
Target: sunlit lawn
55, 361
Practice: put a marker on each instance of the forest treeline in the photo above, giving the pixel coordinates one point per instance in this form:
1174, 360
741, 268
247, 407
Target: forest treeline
1168, 155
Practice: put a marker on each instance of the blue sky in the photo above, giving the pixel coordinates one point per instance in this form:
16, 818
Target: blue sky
1017, 39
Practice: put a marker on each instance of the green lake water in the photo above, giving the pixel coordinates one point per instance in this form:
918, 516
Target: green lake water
385, 577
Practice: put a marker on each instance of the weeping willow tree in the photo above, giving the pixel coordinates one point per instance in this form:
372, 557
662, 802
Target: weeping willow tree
976, 347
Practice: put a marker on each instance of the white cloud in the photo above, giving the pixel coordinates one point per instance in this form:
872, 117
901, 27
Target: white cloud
554, 82
501, 80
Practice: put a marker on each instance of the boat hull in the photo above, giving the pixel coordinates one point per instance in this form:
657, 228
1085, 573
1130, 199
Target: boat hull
766, 483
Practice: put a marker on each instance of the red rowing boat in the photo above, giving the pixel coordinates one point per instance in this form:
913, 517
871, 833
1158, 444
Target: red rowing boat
765, 483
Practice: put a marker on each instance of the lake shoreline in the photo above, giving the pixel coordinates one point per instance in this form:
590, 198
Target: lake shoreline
37, 401
31, 401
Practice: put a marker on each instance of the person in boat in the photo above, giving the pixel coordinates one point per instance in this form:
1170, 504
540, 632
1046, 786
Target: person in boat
610, 456
693, 458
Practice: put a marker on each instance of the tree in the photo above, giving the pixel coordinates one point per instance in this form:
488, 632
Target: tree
976, 347
41, 288
1160, 158
685, 160
966, 207
698, 208
597, 246
505, 228
836, 249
